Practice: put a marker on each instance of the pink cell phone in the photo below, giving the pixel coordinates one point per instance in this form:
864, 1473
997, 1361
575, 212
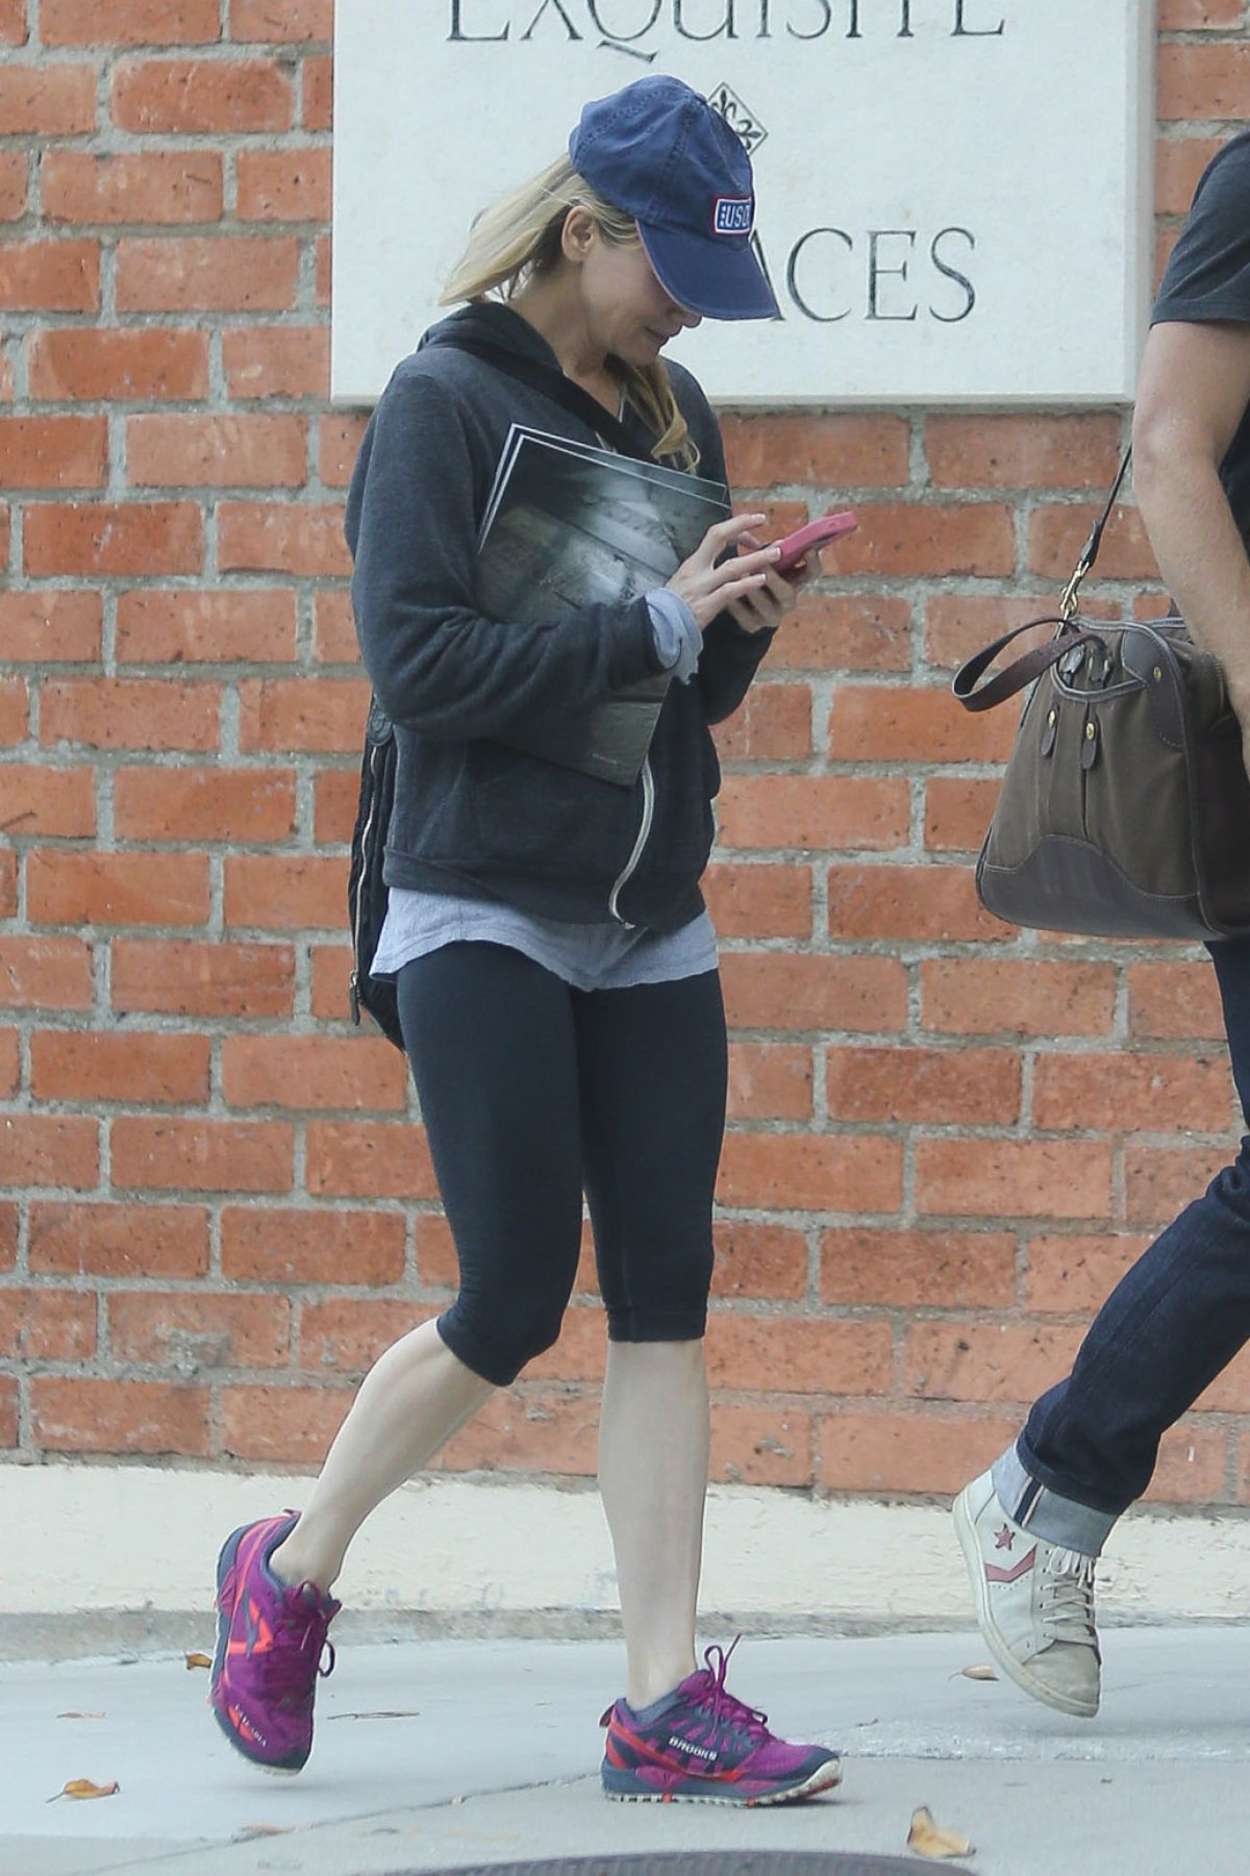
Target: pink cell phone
796, 546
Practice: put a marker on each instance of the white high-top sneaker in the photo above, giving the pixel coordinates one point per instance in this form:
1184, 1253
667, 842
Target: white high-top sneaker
1035, 1603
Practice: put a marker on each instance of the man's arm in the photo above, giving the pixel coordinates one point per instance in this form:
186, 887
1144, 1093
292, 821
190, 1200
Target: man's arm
1192, 395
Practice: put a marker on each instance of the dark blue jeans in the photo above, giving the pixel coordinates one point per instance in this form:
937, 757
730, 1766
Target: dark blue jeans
1166, 1331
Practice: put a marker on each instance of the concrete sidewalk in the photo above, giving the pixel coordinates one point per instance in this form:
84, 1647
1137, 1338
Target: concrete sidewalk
451, 1753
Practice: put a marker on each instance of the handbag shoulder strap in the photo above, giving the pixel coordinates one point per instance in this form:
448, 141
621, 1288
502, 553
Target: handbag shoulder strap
553, 384
1016, 676
997, 689
1089, 553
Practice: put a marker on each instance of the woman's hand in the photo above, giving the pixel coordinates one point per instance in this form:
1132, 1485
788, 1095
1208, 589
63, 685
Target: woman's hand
765, 606
708, 589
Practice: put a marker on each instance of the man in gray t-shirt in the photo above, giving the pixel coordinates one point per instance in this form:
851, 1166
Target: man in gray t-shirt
1032, 1527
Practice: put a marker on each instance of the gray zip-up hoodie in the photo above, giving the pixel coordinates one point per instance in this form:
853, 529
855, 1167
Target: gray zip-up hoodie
470, 815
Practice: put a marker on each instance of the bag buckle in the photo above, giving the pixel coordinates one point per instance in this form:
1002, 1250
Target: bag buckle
1069, 605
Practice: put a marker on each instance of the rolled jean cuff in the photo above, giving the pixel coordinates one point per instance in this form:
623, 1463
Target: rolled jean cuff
1037, 1507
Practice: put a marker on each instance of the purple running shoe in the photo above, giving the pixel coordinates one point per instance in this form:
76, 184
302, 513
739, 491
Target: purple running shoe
270, 1640
703, 1746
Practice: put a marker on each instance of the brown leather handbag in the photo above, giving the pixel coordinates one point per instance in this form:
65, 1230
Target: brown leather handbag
1125, 807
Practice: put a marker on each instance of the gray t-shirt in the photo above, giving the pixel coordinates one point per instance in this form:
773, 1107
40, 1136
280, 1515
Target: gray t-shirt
1208, 278
589, 957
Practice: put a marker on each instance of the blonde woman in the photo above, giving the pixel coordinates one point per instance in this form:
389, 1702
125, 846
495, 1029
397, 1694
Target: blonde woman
556, 969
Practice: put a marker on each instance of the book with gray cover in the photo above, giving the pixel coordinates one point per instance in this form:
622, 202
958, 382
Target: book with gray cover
568, 526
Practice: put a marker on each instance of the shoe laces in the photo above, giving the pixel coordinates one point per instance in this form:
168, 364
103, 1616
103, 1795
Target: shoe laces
725, 1710
301, 1648
1067, 1590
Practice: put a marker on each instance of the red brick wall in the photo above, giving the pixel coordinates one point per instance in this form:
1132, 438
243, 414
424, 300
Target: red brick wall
947, 1139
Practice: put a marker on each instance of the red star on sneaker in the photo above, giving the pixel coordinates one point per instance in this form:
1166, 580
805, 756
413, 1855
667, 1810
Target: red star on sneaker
1006, 1538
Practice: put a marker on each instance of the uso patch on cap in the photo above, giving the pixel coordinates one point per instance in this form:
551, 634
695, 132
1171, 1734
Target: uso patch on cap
733, 215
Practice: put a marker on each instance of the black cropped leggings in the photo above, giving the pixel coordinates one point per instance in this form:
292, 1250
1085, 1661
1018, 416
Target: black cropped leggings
532, 1092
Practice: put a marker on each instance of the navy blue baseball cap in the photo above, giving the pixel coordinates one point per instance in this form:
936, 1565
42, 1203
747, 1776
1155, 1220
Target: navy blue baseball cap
658, 151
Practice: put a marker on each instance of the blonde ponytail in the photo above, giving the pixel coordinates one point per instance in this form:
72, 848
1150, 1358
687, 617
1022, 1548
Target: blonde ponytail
519, 237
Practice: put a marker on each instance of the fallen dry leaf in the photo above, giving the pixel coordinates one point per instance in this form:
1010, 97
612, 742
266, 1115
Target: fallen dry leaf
982, 1673
198, 1660
80, 1716
84, 1788
928, 1839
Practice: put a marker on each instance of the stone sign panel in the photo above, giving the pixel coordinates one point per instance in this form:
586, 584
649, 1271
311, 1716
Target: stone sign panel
954, 195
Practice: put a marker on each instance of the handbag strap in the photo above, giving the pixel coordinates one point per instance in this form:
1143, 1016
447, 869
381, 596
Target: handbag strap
553, 384
1068, 605
1022, 672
